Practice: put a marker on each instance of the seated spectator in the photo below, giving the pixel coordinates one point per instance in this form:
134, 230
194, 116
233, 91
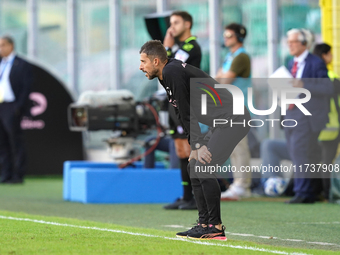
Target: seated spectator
165, 144
273, 151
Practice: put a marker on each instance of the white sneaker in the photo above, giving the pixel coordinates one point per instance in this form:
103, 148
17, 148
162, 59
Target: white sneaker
235, 193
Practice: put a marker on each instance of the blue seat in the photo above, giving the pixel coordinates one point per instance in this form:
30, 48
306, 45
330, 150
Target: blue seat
91, 182
71, 165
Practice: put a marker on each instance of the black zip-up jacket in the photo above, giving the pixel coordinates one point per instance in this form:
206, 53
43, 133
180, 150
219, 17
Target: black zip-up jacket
189, 52
186, 98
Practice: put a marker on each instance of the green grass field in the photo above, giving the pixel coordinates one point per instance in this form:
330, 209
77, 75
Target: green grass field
34, 219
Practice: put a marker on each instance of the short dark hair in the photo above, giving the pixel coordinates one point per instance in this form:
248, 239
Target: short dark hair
8, 38
239, 30
185, 16
154, 48
320, 49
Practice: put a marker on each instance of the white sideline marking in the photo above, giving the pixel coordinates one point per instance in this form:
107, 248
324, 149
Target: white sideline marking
263, 237
266, 237
174, 226
147, 235
311, 223
269, 237
277, 238
237, 234
320, 243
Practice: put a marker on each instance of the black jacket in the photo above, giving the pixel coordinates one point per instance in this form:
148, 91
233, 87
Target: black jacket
182, 83
21, 78
193, 57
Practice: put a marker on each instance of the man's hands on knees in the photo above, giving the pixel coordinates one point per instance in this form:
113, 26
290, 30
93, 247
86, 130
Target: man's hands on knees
193, 155
203, 155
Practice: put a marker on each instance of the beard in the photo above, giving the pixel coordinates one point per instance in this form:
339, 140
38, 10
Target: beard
153, 74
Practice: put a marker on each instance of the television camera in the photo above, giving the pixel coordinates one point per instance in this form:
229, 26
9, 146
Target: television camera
117, 111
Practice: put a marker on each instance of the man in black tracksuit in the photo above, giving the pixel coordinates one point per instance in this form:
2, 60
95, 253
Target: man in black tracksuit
183, 83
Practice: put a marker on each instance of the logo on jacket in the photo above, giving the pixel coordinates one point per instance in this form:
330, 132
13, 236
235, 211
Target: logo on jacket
173, 102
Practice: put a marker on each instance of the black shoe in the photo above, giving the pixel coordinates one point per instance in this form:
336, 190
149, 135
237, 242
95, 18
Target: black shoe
300, 200
175, 204
191, 205
208, 233
194, 229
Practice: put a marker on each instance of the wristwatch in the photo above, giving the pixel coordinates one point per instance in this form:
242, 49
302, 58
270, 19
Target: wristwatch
197, 145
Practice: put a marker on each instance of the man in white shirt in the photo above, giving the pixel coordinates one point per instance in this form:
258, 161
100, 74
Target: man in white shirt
15, 83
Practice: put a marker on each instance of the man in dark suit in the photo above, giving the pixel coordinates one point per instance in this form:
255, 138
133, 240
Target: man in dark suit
15, 81
302, 140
